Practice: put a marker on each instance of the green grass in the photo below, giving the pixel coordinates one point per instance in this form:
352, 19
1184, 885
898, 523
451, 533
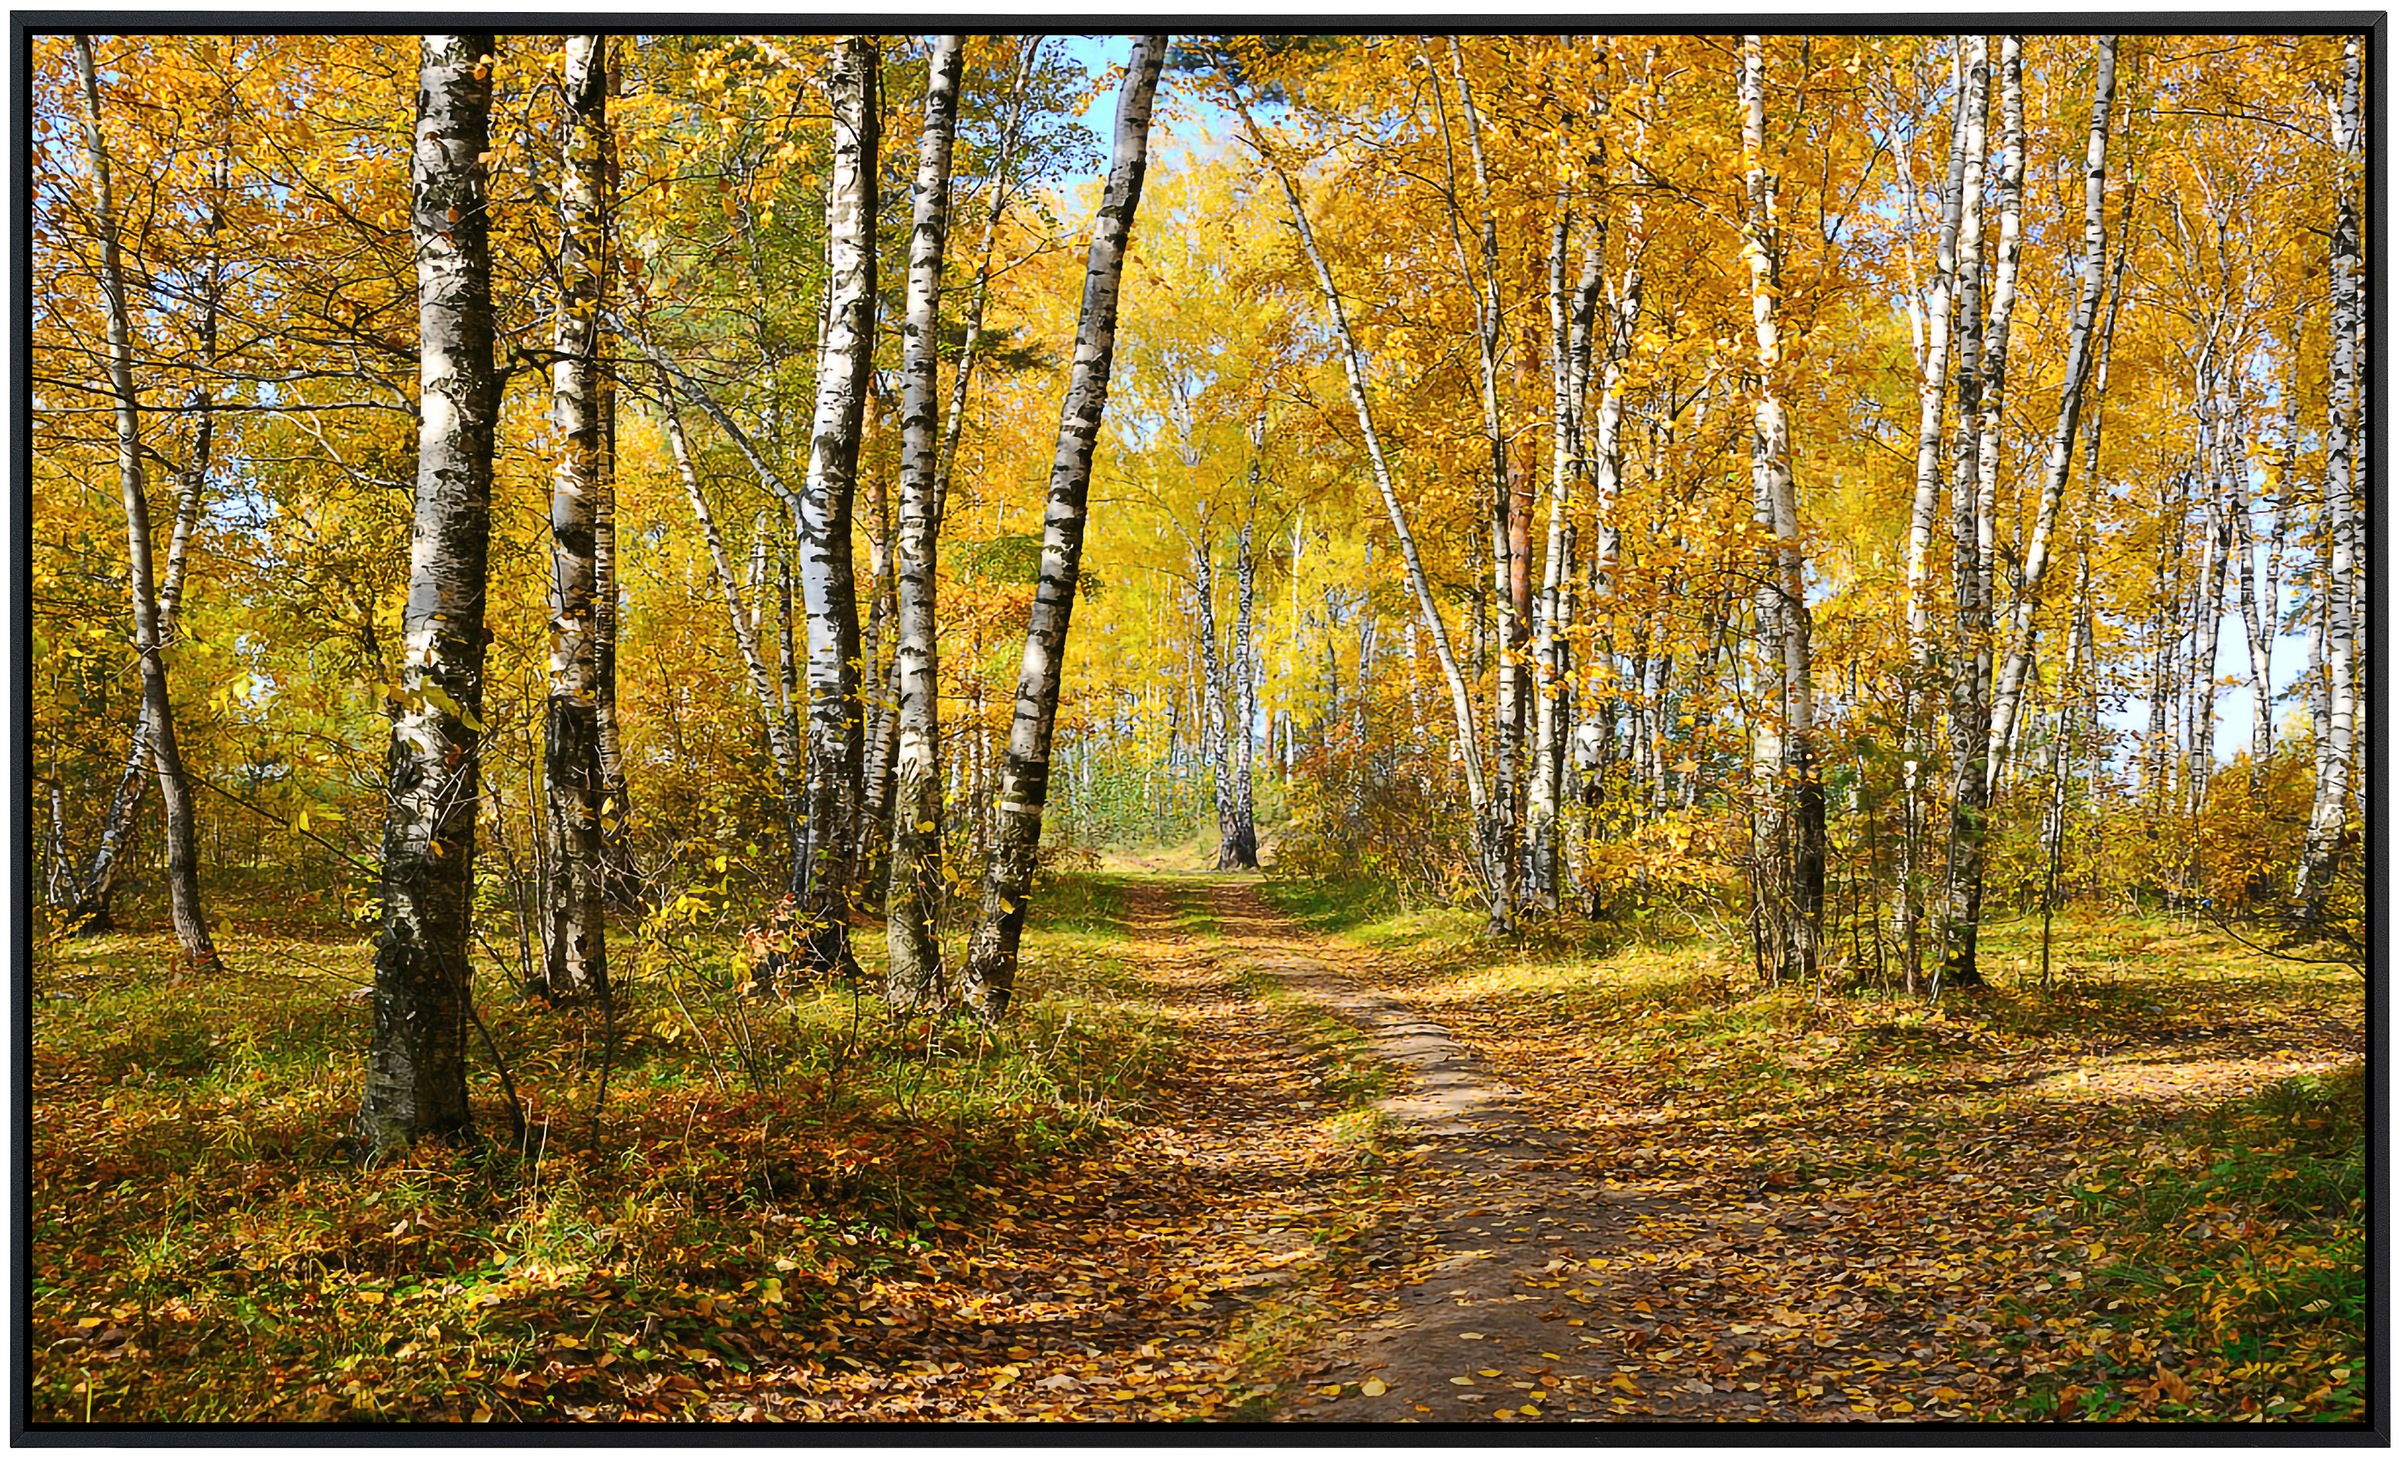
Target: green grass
2241, 1233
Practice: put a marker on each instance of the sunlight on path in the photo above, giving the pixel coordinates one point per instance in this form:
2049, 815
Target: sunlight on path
1498, 1314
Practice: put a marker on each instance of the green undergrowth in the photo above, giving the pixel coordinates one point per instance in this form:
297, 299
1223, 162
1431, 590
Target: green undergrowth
206, 1244
2239, 1233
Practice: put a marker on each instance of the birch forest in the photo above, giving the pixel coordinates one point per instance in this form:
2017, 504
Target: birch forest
1447, 728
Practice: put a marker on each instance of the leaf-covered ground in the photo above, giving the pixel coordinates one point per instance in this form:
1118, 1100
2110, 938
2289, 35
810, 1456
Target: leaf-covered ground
1220, 1166
1130, 1204
2139, 1194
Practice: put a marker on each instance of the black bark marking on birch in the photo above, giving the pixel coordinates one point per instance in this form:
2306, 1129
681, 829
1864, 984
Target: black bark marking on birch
823, 878
989, 977
914, 891
575, 964
416, 1083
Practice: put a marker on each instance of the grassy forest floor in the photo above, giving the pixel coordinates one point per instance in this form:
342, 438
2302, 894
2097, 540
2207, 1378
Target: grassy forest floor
1242, 1151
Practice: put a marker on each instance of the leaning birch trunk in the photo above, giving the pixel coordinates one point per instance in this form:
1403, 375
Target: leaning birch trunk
174, 791
416, 1066
87, 898
1933, 385
2322, 850
782, 747
1785, 757
194, 485
2009, 694
1962, 892
955, 422
1354, 369
575, 962
990, 975
780, 708
828, 590
914, 892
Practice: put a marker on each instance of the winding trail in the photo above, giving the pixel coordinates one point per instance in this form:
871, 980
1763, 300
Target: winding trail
1496, 1313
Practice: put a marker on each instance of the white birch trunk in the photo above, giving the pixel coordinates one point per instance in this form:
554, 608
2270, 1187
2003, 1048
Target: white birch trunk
989, 977
2324, 846
2009, 693
416, 1082
828, 589
1962, 908
575, 962
1792, 819
915, 893
1354, 369
1933, 387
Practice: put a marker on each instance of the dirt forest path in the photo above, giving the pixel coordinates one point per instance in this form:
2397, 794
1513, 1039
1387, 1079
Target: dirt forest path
1496, 1312
1335, 1210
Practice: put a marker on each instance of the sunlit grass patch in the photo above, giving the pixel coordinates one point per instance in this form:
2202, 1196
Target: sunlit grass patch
205, 1245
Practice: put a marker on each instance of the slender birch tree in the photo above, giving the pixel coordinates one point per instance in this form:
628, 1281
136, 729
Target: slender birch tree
2008, 695
575, 951
774, 708
1933, 385
990, 975
1790, 849
2328, 815
1490, 851
1962, 890
158, 713
836, 729
915, 889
